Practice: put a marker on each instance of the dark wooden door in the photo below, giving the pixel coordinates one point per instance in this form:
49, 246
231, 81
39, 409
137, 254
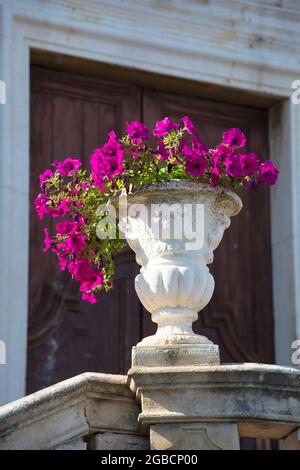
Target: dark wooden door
71, 115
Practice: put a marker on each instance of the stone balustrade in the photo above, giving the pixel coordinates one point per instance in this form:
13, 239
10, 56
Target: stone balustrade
163, 408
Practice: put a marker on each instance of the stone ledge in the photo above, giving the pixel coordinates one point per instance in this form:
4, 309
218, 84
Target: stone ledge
264, 400
76, 407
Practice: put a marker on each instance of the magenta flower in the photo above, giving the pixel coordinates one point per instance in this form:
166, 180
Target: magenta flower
197, 144
234, 138
233, 166
67, 167
112, 148
89, 297
106, 162
87, 287
111, 166
75, 243
137, 131
62, 209
223, 151
267, 173
80, 269
249, 163
94, 280
62, 258
189, 126
195, 163
161, 151
47, 241
162, 128
40, 206
67, 227
45, 176
215, 175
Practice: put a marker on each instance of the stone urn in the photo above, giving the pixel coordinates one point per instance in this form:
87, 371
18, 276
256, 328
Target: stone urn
173, 228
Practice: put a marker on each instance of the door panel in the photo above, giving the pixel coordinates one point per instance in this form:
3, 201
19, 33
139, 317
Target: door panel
239, 316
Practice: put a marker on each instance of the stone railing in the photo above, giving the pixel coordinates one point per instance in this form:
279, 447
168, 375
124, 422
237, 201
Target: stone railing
169, 407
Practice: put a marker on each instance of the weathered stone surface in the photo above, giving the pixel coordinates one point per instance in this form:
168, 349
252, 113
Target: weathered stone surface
74, 408
75, 444
264, 400
175, 355
115, 441
194, 436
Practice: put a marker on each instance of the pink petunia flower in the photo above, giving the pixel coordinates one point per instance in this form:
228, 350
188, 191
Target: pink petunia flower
62, 209
40, 206
223, 151
80, 269
75, 243
137, 131
161, 151
47, 241
162, 128
233, 166
195, 163
234, 138
61, 256
106, 162
67, 227
189, 126
215, 175
89, 297
267, 173
249, 163
197, 144
87, 287
95, 280
67, 166
45, 176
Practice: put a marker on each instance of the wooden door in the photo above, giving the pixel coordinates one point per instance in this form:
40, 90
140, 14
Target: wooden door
71, 115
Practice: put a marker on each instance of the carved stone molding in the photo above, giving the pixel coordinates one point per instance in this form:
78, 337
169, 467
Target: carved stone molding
194, 436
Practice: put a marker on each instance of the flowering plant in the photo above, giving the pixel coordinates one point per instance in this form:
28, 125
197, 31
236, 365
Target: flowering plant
74, 194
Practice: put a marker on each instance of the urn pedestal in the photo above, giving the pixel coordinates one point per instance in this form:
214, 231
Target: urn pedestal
173, 228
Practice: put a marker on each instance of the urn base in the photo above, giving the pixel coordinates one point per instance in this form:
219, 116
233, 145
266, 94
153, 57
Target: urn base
175, 355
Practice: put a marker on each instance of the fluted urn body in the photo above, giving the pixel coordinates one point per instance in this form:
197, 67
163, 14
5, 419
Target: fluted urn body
174, 227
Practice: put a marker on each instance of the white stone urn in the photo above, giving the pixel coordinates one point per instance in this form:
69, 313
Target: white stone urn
174, 283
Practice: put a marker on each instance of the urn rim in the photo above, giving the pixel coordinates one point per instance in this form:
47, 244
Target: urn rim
224, 196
